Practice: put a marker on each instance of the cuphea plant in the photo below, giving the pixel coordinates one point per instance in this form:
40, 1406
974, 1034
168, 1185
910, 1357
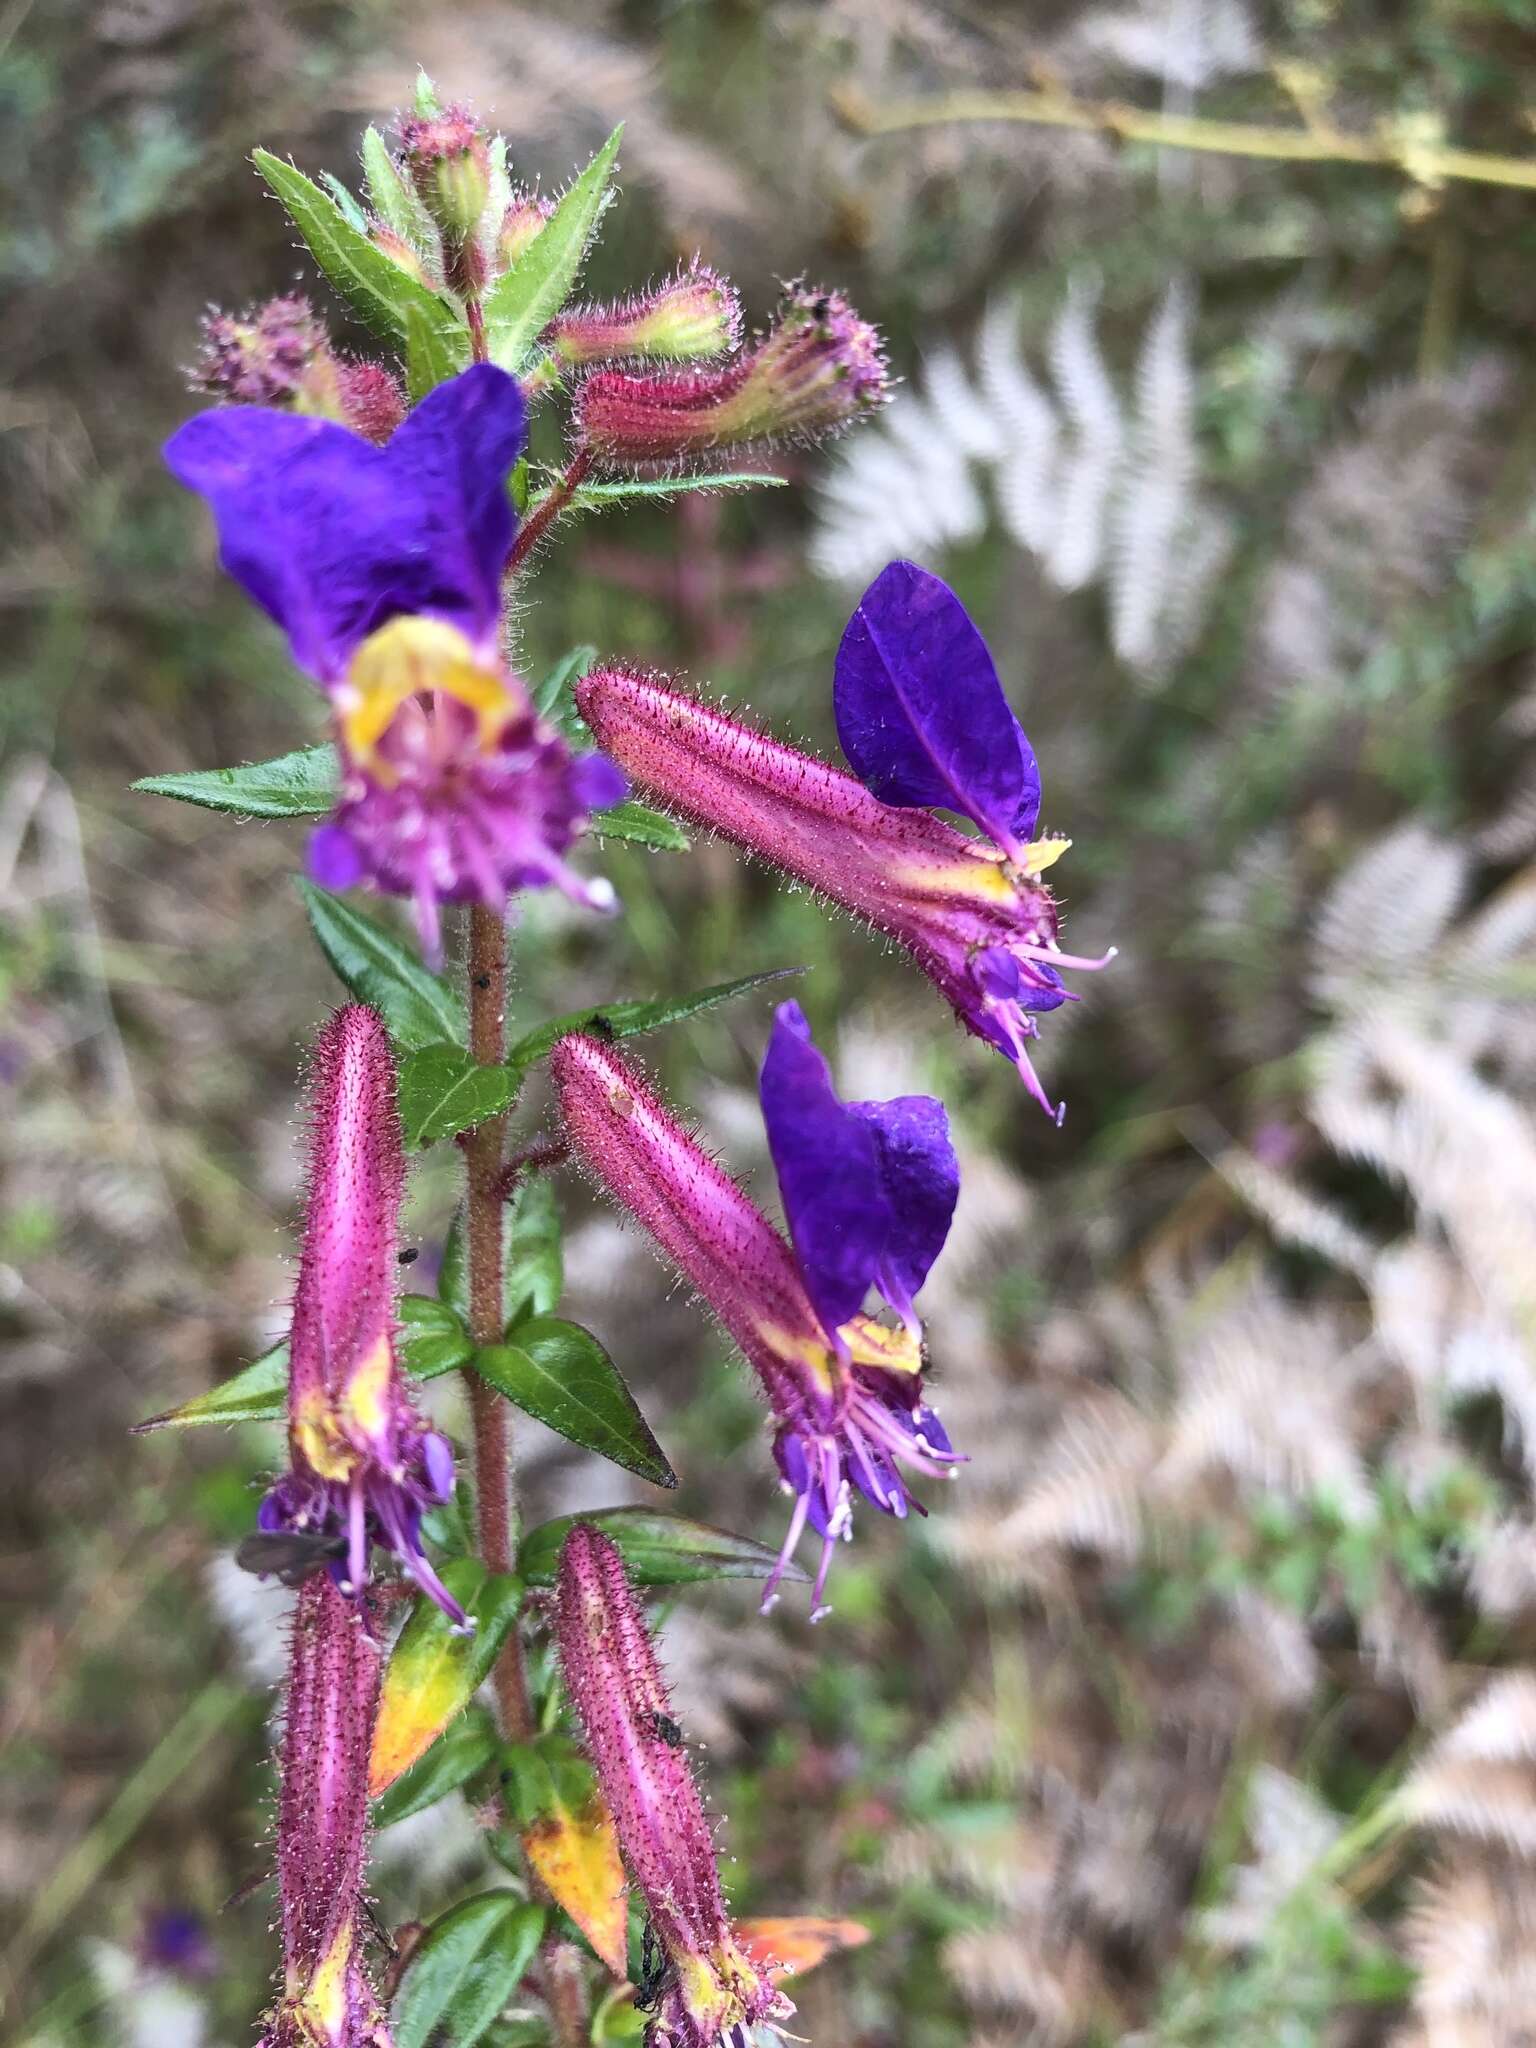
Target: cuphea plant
387, 525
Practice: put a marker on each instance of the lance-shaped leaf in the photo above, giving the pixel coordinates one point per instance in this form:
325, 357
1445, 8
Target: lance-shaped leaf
789, 1947
432, 1673
641, 826
305, 784
445, 1090
594, 496
418, 1007
431, 356
921, 714
553, 699
432, 1341
628, 1018
464, 1970
458, 1753
520, 305
390, 196
560, 1374
658, 1549
376, 288
570, 1841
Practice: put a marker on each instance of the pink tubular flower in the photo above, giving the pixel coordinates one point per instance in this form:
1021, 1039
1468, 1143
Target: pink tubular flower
690, 318
322, 1827
699, 1987
818, 368
363, 1466
847, 1403
979, 923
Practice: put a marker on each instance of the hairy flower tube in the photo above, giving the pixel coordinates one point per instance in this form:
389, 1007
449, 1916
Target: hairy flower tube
924, 723
869, 1189
363, 1466
322, 1827
699, 1986
690, 318
383, 566
817, 369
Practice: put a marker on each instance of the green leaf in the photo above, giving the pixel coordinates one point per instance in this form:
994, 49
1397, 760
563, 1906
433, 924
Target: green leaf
445, 1090
593, 496
351, 212
465, 1969
419, 1007
520, 305
301, 785
658, 1549
389, 195
535, 1270
433, 1672
431, 357
627, 1019
642, 825
376, 288
560, 1374
458, 1753
552, 699
432, 1342
427, 101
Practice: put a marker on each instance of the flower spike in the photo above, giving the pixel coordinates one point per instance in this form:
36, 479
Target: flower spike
975, 917
701, 1986
322, 1827
847, 1400
363, 1466
383, 566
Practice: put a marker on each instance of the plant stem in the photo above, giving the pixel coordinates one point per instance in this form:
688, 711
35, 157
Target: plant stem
1388, 145
548, 510
483, 1236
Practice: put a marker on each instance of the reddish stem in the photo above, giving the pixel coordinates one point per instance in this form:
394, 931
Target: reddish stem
548, 510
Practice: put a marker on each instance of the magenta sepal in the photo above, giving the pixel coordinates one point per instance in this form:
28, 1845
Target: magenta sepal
706, 1989
327, 2000
981, 926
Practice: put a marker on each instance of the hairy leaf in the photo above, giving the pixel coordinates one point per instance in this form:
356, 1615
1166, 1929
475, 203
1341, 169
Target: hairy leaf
560, 1374
419, 1007
433, 1673
391, 198
658, 1549
520, 305
570, 1840
643, 826
464, 1970
458, 1753
535, 1274
627, 1019
305, 784
445, 1090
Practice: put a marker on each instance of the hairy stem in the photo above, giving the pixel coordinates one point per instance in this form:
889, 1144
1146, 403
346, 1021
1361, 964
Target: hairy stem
483, 1237
548, 510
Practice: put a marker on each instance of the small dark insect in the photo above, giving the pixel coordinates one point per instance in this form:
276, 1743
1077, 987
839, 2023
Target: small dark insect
821, 308
408, 1257
655, 1971
291, 1554
663, 1726
482, 981
600, 1027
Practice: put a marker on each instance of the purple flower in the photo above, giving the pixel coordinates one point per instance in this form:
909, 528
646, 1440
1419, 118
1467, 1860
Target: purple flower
383, 566
925, 724
701, 1986
845, 1391
322, 1827
363, 1466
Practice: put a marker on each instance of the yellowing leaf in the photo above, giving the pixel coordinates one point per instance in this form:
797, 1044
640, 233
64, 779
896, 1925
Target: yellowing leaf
791, 1946
575, 1855
433, 1674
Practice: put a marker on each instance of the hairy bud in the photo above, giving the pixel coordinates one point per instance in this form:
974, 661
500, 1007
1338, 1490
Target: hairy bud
521, 225
818, 368
279, 355
691, 318
449, 162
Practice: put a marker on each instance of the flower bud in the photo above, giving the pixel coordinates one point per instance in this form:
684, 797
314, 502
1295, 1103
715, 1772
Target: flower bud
403, 253
692, 317
450, 166
818, 368
279, 355
521, 225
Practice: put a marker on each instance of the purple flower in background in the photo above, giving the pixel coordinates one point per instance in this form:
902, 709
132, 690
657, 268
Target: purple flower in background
322, 1827
363, 1466
923, 720
383, 566
845, 1391
704, 1989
